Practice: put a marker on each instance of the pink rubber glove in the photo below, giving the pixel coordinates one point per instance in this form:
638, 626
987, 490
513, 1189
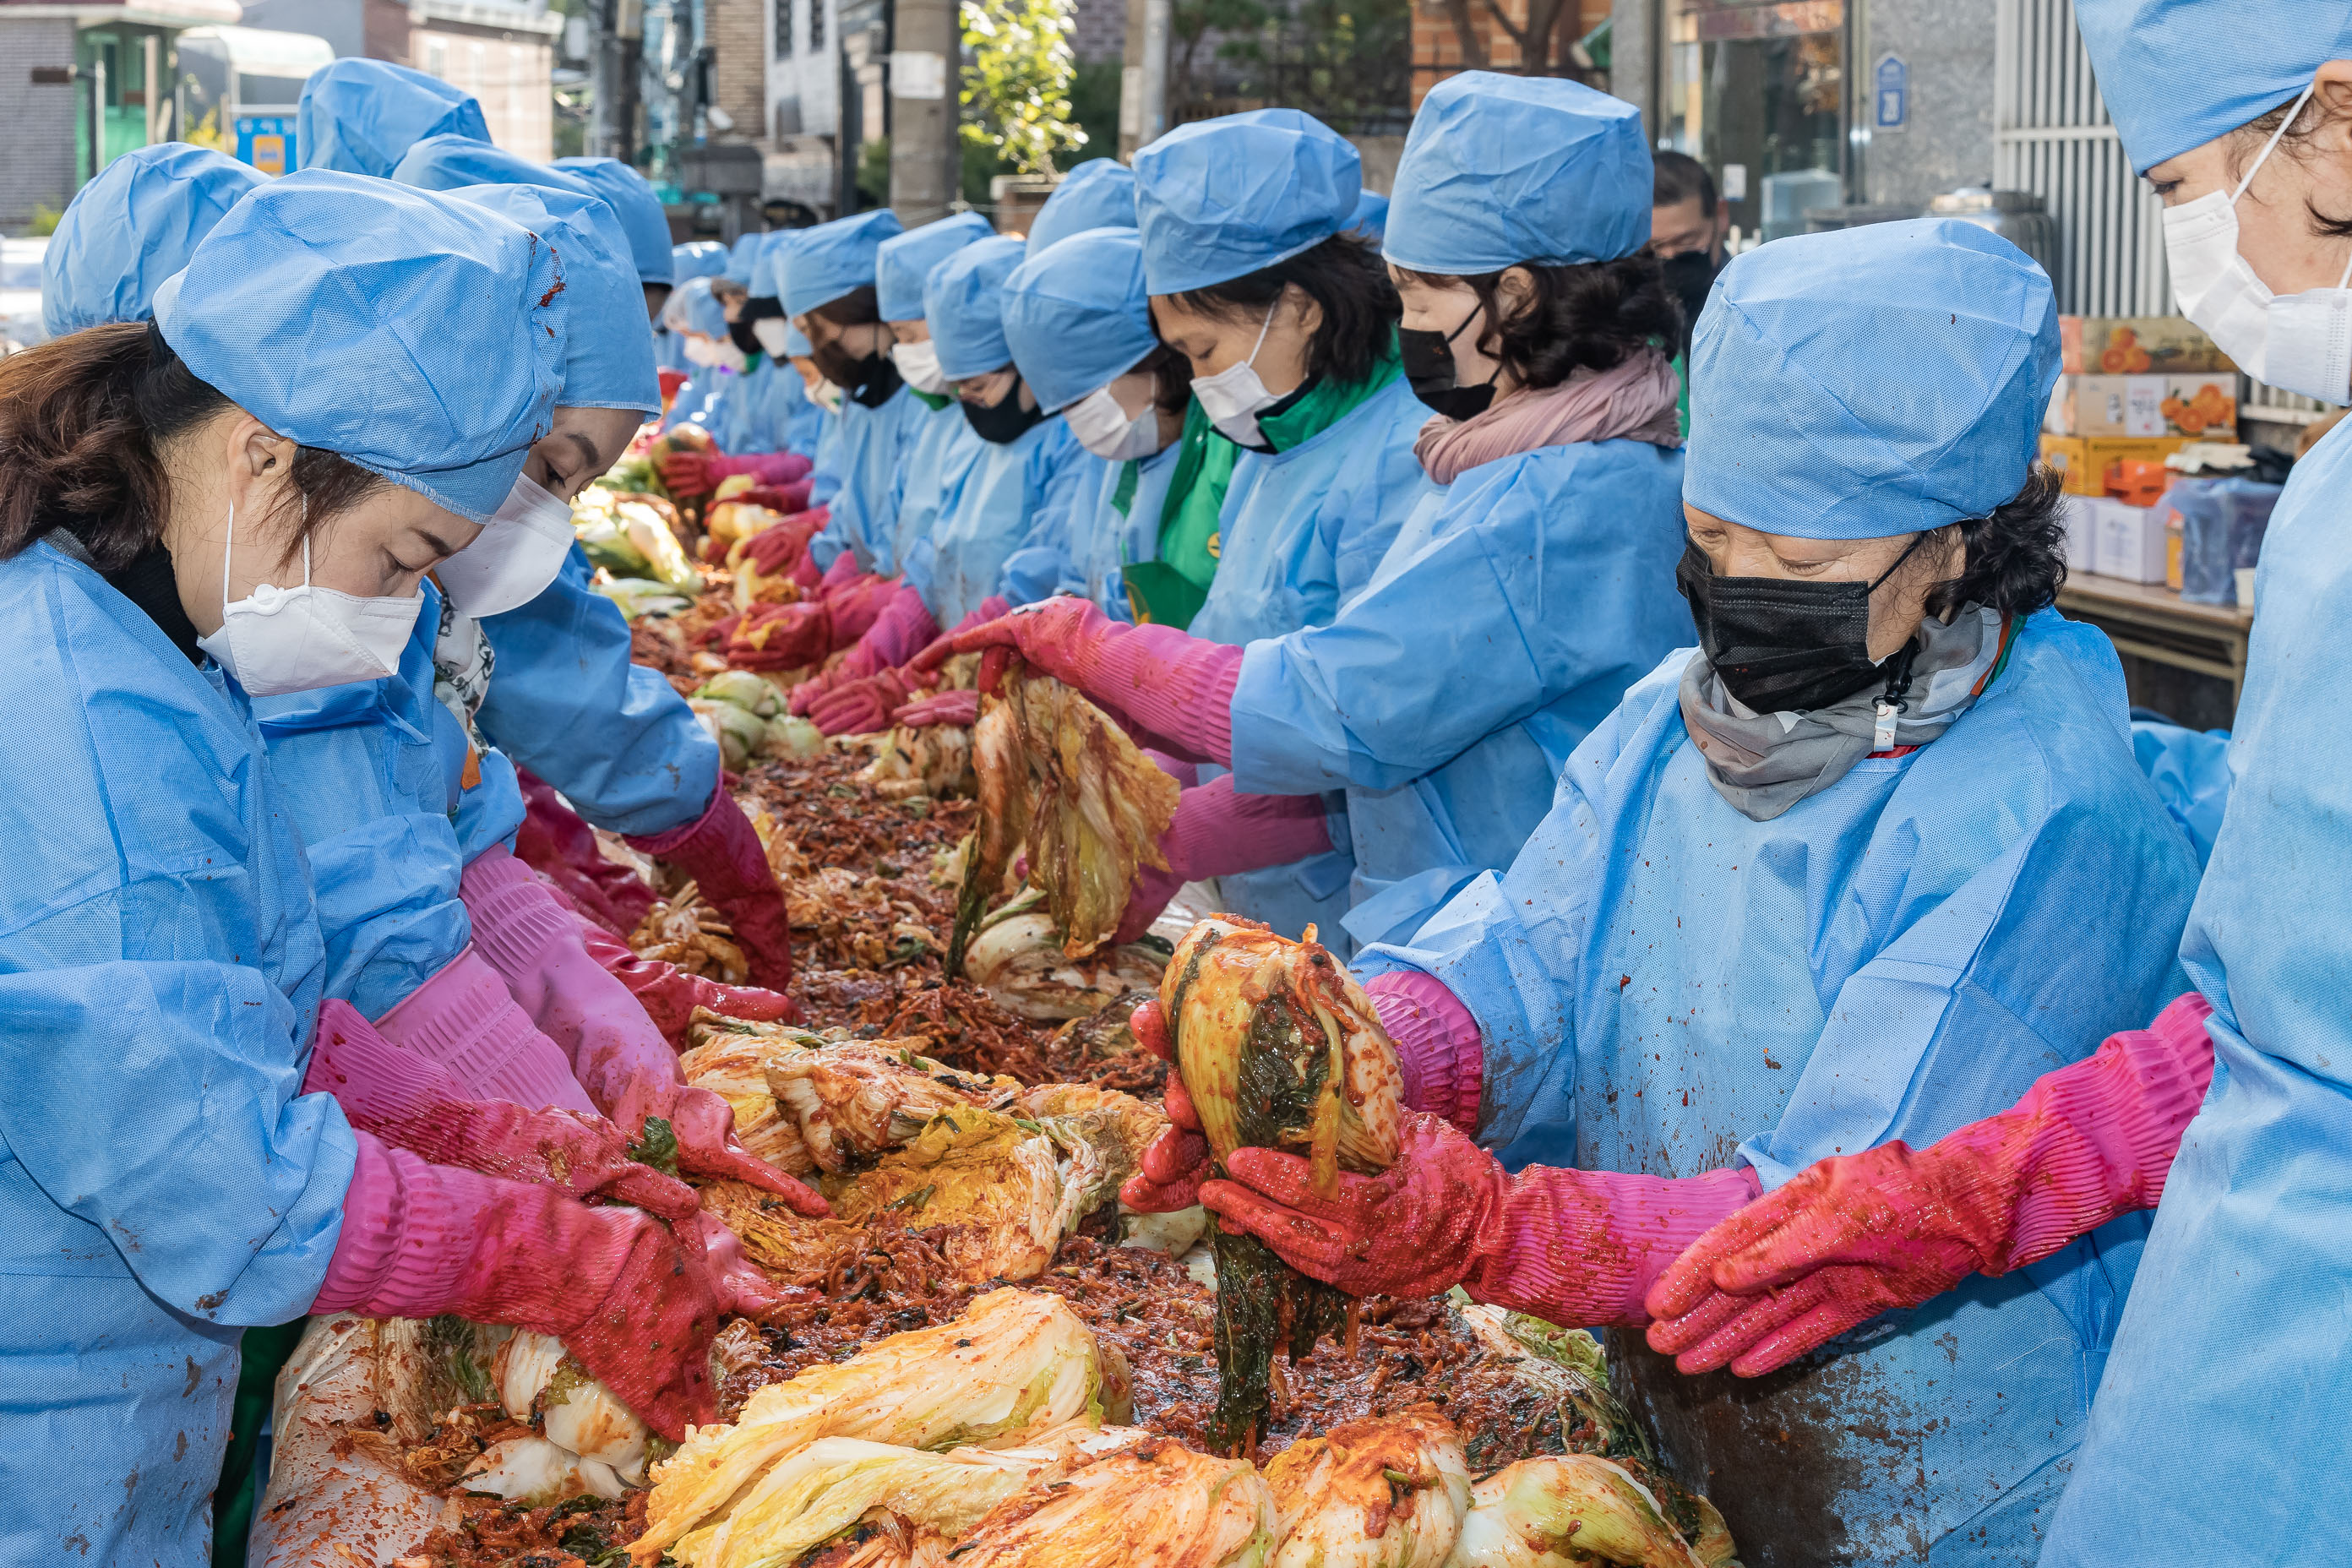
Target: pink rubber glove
1176, 768
768, 468
844, 570
1575, 1247
620, 1058
669, 995
554, 840
466, 1021
957, 707
1176, 691
742, 1290
1216, 832
415, 1104
636, 1304
1438, 1046
721, 852
1857, 1234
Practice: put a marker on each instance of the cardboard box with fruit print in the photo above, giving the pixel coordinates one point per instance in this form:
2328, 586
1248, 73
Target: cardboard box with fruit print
2203, 404
2136, 345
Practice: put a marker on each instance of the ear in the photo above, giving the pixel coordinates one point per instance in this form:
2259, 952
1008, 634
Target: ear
1306, 307
2333, 88
1515, 290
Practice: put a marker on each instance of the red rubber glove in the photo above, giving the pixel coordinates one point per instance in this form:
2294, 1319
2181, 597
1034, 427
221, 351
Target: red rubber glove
637, 1305
902, 630
669, 995
862, 706
628, 1069
959, 708
687, 473
1175, 1163
1857, 1234
1217, 832
1575, 1247
782, 637
1438, 1046
670, 381
719, 850
776, 550
415, 1104
1176, 691
555, 842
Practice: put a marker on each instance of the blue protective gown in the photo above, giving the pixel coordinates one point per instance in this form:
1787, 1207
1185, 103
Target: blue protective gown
1121, 528
565, 703
745, 421
1507, 621
366, 771
2228, 1380
702, 400
1300, 533
2190, 771
1003, 519
824, 480
942, 442
164, 1183
1665, 986
866, 467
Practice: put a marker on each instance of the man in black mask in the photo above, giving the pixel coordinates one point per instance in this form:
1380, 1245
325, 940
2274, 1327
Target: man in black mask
1687, 225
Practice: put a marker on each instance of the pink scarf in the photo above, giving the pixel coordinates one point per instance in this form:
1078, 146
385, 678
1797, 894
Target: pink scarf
1635, 401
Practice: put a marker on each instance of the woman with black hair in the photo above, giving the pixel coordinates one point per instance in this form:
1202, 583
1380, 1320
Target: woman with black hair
1862, 866
1531, 584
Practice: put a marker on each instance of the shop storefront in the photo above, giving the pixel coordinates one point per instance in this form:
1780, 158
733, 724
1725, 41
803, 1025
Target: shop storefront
1757, 93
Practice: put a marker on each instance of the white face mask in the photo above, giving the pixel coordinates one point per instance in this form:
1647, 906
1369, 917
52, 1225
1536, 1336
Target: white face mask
1232, 397
2296, 343
1103, 428
514, 558
298, 639
918, 367
771, 331
713, 354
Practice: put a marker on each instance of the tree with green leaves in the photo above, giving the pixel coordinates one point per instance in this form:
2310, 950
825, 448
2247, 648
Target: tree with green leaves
1016, 83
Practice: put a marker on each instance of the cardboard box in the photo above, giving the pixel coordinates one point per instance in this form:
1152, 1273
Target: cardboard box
2136, 345
2128, 541
2081, 532
2203, 405
2082, 461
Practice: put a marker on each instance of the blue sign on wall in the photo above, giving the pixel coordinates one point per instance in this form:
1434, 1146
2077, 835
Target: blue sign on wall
266, 142
1892, 94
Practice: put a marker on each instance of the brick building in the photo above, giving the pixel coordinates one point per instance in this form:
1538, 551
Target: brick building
1450, 35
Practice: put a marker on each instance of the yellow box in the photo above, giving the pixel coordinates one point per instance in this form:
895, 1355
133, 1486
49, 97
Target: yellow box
2136, 345
2082, 461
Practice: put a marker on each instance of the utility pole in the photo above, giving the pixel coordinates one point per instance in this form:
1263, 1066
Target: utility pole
612, 74
926, 157
1143, 80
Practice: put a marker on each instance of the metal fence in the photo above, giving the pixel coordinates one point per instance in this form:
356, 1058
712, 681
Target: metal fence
2052, 136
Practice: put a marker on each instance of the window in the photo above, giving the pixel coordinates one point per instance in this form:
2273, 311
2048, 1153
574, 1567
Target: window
817, 27
474, 67
436, 58
1756, 93
782, 13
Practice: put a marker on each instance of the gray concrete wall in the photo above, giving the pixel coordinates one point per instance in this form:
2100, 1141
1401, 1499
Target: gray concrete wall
1948, 44
37, 120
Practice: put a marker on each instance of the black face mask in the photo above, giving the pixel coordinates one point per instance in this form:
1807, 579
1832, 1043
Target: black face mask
739, 332
869, 379
1003, 421
1782, 646
1429, 366
1691, 276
